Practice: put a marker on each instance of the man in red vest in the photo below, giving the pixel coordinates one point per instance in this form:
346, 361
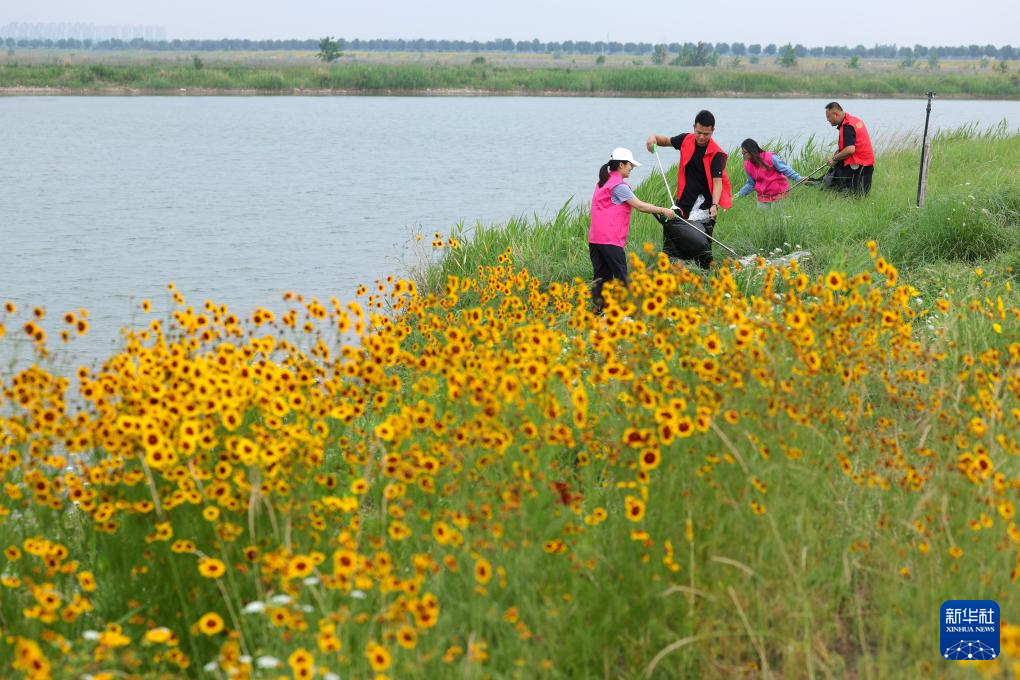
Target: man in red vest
702, 170
854, 162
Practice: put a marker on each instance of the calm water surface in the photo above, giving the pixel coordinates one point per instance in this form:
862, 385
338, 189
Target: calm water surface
104, 200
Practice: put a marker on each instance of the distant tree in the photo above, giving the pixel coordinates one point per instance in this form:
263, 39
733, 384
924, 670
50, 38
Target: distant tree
1002, 67
1007, 52
329, 50
770, 49
754, 49
478, 61
800, 50
739, 49
816, 51
933, 59
722, 48
659, 55
787, 56
696, 55
855, 62
601, 59
196, 62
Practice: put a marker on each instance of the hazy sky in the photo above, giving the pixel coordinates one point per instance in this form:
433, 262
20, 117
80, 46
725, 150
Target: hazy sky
810, 22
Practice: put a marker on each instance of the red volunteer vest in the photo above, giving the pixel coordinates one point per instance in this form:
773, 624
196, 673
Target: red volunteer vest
863, 152
686, 151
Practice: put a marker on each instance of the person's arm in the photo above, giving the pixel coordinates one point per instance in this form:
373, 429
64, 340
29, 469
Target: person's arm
747, 188
653, 140
718, 168
780, 165
640, 205
849, 145
716, 196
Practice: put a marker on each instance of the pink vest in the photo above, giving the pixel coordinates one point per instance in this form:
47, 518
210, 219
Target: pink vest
770, 184
609, 223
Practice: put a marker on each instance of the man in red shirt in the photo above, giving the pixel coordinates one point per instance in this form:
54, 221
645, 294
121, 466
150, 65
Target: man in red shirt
702, 170
854, 161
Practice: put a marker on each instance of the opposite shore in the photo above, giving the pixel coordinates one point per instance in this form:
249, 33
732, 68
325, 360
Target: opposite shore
196, 77
21, 91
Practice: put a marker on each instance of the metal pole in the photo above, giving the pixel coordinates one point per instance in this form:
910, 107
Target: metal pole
924, 150
669, 192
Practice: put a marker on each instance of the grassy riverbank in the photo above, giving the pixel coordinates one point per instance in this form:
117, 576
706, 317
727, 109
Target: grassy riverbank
752, 473
970, 217
74, 77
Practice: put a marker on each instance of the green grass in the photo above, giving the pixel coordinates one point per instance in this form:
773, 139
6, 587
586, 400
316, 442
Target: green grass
156, 75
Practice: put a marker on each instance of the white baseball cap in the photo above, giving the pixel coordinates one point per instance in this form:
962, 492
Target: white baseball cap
622, 154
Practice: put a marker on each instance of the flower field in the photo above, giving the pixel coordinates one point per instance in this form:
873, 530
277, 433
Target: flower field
753, 473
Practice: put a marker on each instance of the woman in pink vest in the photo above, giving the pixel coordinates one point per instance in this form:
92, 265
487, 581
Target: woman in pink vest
610, 220
767, 174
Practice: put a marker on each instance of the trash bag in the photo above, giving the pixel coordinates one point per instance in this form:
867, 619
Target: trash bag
687, 240
829, 180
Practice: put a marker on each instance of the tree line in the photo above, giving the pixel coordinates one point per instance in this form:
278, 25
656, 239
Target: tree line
506, 45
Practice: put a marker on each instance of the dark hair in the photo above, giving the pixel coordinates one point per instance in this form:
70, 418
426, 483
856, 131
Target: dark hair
752, 148
705, 118
833, 105
610, 166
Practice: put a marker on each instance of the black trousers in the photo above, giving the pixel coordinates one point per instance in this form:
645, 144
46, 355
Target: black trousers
607, 262
855, 181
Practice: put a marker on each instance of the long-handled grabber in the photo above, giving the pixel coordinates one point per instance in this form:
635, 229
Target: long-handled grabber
808, 177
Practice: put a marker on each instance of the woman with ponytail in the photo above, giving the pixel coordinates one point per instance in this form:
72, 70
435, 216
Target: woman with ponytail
767, 174
610, 220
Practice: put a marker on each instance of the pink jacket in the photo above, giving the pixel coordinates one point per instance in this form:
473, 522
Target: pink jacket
609, 222
769, 183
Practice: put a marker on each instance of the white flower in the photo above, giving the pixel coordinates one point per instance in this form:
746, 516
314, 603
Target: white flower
358, 594
267, 662
281, 599
244, 658
331, 676
311, 581
307, 608
254, 607
92, 635
210, 667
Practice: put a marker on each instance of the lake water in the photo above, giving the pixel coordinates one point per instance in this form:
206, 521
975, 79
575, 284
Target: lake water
103, 200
